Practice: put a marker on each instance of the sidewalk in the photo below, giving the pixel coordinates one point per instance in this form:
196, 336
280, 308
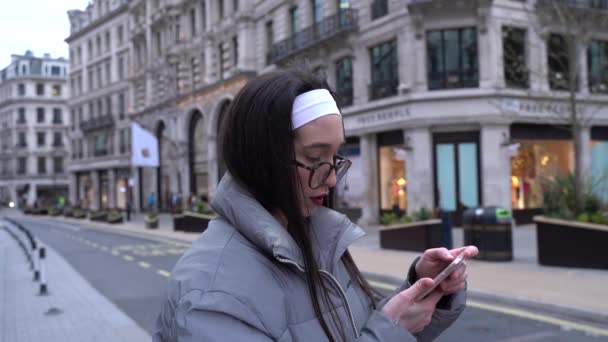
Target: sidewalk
72, 311
520, 279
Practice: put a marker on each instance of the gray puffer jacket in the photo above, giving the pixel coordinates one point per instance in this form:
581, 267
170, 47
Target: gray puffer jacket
243, 280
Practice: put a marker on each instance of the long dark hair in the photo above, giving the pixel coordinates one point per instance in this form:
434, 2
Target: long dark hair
257, 145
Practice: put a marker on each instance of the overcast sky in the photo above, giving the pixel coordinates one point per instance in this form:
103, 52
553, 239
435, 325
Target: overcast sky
37, 25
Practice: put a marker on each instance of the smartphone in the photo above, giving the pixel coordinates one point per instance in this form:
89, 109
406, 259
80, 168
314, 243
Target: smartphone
454, 265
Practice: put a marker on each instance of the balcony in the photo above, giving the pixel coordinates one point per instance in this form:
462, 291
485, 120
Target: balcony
329, 28
21, 145
453, 79
580, 4
98, 123
382, 89
345, 95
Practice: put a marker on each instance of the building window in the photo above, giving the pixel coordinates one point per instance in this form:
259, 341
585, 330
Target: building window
235, 51
90, 49
108, 41
98, 44
220, 8
159, 47
269, 40
39, 89
21, 118
21, 165
91, 80
317, 11
294, 20
392, 172
344, 80
79, 54
203, 16
99, 77
221, 60
91, 110
514, 57
57, 165
41, 165
559, 63
178, 30
121, 68
99, 107
119, 34
21, 89
41, 139
55, 71
109, 105
192, 22
73, 118
379, 9
21, 142
452, 59
57, 141
121, 106
384, 70
108, 73
101, 145
56, 90
597, 56
80, 149
40, 115
57, 116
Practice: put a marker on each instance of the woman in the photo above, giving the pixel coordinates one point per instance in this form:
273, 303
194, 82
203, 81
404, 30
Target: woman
274, 266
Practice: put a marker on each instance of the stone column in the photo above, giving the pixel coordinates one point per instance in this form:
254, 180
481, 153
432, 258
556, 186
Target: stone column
73, 188
418, 169
369, 162
32, 194
361, 66
112, 188
586, 151
96, 190
495, 170
134, 189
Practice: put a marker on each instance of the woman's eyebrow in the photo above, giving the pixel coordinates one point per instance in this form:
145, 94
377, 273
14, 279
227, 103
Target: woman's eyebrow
317, 145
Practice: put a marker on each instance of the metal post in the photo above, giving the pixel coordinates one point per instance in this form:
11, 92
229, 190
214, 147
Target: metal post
43, 287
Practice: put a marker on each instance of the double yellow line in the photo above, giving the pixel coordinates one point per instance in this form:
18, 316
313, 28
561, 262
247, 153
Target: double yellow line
517, 313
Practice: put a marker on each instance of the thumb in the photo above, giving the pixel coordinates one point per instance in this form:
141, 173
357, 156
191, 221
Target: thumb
420, 287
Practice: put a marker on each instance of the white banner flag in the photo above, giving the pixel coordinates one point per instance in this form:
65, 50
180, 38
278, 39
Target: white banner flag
144, 147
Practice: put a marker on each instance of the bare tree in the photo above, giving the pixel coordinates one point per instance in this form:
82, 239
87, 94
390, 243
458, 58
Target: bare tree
567, 26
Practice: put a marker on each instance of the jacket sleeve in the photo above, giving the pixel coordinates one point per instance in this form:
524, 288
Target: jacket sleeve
448, 309
210, 316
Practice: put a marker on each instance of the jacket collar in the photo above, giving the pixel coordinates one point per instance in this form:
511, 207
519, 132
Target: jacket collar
332, 231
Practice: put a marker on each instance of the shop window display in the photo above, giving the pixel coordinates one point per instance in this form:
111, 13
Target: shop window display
393, 184
535, 161
599, 168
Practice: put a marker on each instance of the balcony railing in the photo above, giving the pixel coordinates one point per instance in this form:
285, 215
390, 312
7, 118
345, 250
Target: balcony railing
345, 95
582, 4
598, 84
21, 145
100, 122
382, 89
464, 78
342, 22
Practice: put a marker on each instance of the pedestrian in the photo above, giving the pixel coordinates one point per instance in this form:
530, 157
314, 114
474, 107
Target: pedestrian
128, 208
275, 265
151, 201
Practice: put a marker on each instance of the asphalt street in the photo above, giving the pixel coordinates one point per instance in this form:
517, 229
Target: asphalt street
132, 272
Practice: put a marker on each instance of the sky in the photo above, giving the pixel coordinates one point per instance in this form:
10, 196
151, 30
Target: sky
37, 25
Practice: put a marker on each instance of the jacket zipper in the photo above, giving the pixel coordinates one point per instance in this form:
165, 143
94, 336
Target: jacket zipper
343, 295
335, 283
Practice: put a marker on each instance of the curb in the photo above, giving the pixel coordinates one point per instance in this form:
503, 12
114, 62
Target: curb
549, 309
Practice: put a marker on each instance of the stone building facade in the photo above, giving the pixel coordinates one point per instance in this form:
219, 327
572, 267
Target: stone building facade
33, 130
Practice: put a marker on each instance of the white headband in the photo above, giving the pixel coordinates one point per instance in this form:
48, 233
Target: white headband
312, 105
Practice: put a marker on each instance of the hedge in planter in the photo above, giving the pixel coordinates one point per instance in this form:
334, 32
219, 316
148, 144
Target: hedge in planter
565, 238
193, 222
79, 213
410, 234
100, 215
151, 220
115, 216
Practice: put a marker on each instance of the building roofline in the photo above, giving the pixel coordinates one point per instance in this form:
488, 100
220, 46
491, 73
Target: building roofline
95, 23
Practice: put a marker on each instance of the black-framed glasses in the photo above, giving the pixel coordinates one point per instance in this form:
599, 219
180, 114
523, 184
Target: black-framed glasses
321, 171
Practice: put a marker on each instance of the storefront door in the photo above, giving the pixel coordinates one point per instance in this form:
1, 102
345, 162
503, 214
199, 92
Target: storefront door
456, 164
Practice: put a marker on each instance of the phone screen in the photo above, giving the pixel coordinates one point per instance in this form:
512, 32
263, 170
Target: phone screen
454, 265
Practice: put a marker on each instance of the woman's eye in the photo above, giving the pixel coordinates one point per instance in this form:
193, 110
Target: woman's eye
313, 159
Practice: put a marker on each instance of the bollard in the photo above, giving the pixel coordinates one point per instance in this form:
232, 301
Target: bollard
36, 264
42, 256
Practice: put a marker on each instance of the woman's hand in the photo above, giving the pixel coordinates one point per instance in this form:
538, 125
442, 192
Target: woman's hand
412, 315
433, 261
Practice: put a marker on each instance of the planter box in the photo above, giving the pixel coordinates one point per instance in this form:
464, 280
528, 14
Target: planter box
115, 219
151, 224
192, 222
99, 216
571, 243
79, 214
415, 236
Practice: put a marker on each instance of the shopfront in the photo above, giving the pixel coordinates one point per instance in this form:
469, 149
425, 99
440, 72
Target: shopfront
599, 161
392, 182
457, 177
545, 152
